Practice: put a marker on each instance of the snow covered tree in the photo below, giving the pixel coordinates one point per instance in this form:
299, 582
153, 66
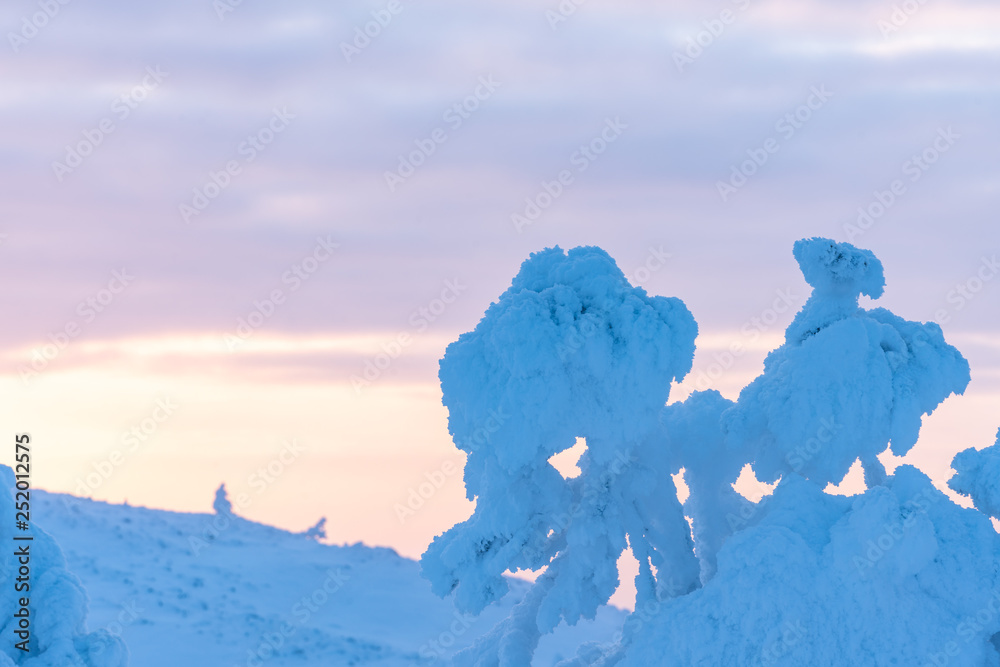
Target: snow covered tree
978, 477
317, 531
221, 504
569, 351
803, 577
847, 381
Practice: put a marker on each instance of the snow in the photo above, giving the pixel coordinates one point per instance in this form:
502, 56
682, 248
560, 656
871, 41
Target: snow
846, 381
572, 358
696, 441
571, 350
896, 575
55, 600
218, 590
978, 476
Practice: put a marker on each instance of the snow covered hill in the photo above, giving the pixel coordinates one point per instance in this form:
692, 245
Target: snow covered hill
211, 590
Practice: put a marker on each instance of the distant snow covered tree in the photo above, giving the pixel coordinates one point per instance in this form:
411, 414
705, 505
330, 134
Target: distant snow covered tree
221, 504
318, 530
803, 577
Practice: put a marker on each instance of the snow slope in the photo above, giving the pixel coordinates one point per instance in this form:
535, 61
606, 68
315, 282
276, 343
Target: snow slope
179, 597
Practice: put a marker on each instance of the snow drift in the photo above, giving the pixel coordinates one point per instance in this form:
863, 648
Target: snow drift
897, 575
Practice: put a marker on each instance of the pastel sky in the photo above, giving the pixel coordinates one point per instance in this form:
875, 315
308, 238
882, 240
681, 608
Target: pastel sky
118, 116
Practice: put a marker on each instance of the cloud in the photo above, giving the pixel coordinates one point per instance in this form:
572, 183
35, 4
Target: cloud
353, 121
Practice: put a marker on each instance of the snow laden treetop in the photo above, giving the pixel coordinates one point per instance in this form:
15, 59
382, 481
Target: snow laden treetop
897, 575
861, 378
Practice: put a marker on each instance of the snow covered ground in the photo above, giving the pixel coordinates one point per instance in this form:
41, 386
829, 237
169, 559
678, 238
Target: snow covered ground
204, 589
